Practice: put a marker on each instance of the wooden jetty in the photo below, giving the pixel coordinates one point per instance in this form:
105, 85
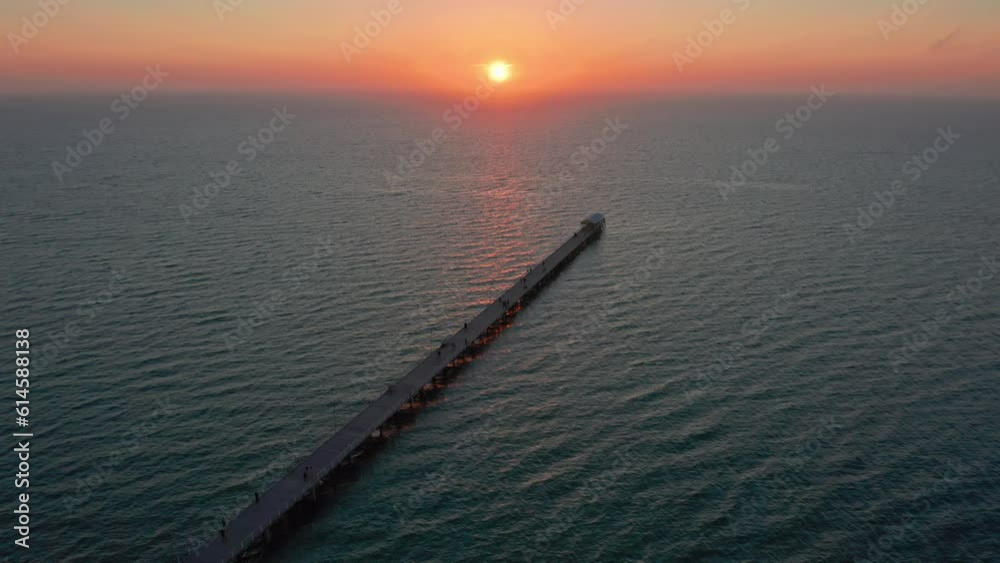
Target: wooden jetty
254, 523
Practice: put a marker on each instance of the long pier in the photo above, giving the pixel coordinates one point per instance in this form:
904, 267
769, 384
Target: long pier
255, 522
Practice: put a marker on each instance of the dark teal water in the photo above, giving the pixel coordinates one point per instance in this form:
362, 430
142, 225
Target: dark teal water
715, 380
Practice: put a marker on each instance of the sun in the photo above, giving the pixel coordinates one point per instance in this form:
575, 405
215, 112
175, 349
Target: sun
498, 71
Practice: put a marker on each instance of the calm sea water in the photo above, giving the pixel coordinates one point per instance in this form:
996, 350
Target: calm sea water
717, 379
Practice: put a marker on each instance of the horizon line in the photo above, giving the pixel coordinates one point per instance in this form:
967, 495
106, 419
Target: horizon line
535, 95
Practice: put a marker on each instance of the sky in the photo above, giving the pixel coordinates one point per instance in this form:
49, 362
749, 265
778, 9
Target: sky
553, 47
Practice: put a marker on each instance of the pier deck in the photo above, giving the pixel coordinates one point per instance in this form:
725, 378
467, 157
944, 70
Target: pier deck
256, 519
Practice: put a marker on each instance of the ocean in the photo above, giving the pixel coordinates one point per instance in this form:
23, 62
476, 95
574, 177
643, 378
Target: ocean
785, 347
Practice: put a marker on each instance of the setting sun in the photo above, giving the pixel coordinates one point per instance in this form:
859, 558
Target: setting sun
498, 71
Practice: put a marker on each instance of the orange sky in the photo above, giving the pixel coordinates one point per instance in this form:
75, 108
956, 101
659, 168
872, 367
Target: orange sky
948, 48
